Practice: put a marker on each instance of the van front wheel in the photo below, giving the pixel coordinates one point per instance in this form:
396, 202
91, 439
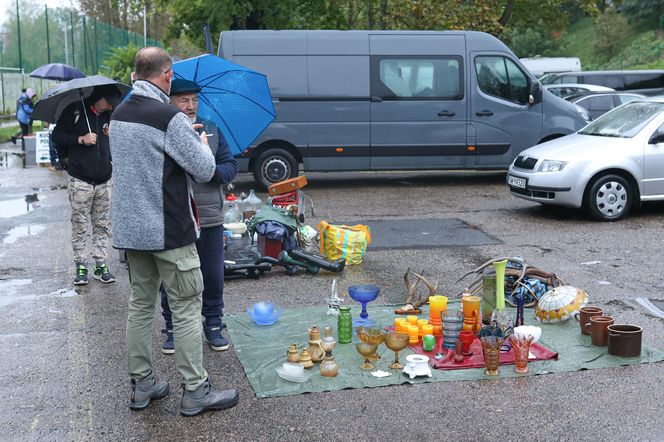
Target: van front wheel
274, 165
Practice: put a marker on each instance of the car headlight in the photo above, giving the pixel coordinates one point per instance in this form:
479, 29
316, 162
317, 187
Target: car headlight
551, 166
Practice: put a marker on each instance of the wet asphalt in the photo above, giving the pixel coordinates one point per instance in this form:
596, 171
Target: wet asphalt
63, 361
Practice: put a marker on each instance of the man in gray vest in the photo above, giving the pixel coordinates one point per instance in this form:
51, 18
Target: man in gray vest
209, 198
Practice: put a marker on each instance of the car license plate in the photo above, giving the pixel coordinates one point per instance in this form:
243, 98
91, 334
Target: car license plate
515, 181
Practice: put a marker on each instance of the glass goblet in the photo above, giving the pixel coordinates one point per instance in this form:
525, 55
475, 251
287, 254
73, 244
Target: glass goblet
396, 342
366, 350
364, 294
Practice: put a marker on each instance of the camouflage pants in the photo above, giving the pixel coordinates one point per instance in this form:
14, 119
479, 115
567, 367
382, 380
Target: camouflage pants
94, 202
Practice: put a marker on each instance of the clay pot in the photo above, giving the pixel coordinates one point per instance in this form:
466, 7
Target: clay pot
625, 340
584, 317
599, 332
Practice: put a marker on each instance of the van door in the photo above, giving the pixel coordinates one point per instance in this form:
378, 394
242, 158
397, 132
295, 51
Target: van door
418, 101
503, 122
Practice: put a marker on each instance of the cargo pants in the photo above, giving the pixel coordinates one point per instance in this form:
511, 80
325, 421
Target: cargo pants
93, 202
180, 269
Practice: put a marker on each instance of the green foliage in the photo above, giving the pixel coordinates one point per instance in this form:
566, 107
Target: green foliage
611, 30
643, 10
120, 63
530, 42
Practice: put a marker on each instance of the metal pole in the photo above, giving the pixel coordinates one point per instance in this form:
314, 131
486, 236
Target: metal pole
48, 42
2, 80
73, 50
18, 28
145, 25
66, 45
85, 44
96, 47
110, 36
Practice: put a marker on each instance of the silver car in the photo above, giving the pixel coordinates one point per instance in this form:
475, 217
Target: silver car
610, 165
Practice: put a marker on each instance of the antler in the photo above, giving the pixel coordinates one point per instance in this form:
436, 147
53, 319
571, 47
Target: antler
411, 288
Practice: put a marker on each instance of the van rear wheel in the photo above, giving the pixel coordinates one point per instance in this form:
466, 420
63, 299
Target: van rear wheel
274, 165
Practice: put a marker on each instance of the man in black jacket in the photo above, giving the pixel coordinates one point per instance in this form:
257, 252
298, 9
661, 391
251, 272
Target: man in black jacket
81, 139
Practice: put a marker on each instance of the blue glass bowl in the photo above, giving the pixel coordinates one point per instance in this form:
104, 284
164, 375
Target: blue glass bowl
264, 316
364, 293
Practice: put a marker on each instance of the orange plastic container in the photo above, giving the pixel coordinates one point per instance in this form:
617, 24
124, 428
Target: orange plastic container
287, 185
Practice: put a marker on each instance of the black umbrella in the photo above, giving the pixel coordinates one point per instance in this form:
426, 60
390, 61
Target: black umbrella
57, 71
56, 99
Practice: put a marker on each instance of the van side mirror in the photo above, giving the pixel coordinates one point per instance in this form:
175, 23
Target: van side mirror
535, 93
657, 137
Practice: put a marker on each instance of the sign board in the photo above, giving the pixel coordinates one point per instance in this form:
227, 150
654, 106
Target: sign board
42, 153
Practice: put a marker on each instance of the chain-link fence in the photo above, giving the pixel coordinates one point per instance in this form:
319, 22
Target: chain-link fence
33, 36
11, 84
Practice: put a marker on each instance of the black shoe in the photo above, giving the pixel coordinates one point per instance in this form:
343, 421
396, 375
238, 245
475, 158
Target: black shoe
13, 139
81, 277
214, 337
146, 389
207, 397
168, 347
103, 274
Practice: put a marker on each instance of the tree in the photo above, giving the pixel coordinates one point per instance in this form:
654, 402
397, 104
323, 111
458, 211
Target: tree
610, 32
635, 10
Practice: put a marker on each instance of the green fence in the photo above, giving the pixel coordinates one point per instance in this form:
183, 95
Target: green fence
33, 37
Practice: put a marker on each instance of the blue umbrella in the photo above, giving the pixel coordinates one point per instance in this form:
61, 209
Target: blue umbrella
57, 71
233, 97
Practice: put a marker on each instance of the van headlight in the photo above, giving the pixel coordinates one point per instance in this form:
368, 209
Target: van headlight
551, 166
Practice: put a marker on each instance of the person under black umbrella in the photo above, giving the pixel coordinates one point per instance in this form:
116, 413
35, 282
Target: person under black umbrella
81, 139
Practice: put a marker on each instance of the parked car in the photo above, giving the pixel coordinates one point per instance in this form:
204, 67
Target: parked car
641, 82
565, 90
612, 164
597, 104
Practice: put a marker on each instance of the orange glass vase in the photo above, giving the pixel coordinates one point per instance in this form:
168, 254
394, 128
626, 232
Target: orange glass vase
521, 347
471, 313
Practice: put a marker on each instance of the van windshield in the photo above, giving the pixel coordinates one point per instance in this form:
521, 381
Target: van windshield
625, 121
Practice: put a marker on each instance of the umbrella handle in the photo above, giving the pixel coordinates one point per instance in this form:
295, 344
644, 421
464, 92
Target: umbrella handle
85, 112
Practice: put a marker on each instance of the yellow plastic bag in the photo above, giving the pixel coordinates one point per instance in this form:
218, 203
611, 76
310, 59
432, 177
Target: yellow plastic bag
349, 242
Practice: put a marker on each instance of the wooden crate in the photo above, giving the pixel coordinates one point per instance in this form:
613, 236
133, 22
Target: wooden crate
287, 185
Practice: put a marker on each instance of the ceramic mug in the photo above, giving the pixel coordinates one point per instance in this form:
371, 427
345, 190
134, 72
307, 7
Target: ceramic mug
583, 316
428, 342
599, 332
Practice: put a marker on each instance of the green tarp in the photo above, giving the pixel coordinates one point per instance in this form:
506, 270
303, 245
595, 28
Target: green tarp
261, 349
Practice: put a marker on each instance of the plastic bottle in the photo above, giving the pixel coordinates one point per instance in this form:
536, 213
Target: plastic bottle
252, 204
230, 204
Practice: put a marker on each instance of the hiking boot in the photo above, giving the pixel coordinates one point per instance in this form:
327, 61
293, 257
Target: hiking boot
102, 274
214, 337
168, 347
146, 389
81, 277
207, 397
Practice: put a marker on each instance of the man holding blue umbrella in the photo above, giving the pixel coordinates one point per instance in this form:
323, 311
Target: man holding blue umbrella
209, 199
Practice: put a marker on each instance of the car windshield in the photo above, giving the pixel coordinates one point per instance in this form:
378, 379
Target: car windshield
548, 78
625, 121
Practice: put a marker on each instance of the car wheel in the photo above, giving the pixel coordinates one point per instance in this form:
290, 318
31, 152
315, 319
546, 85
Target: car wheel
274, 165
609, 198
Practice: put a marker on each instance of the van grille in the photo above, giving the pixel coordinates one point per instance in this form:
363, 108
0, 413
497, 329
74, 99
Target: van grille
525, 162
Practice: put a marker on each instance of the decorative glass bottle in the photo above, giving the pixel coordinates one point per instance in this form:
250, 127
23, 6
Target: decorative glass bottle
328, 366
345, 325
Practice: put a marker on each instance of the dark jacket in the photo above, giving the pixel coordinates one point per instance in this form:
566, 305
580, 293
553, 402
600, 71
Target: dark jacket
91, 164
154, 151
209, 197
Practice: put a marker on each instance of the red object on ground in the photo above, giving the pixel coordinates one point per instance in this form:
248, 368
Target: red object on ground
476, 360
268, 247
287, 199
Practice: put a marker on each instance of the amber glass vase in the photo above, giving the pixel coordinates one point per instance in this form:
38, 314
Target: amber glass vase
491, 349
521, 347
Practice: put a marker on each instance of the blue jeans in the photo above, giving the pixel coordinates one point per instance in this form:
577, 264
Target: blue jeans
210, 248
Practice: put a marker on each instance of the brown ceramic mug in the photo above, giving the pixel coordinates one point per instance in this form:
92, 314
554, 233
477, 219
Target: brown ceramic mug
599, 332
625, 340
584, 317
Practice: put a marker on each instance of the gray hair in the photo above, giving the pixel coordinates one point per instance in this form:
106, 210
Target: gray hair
151, 62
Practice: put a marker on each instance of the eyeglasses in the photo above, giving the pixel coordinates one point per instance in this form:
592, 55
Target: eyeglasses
167, 71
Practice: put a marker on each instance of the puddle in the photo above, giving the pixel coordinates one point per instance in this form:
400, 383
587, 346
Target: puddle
653, 306
22, 231
53, 187
12, 160
64, 293
8, 289
16, 207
